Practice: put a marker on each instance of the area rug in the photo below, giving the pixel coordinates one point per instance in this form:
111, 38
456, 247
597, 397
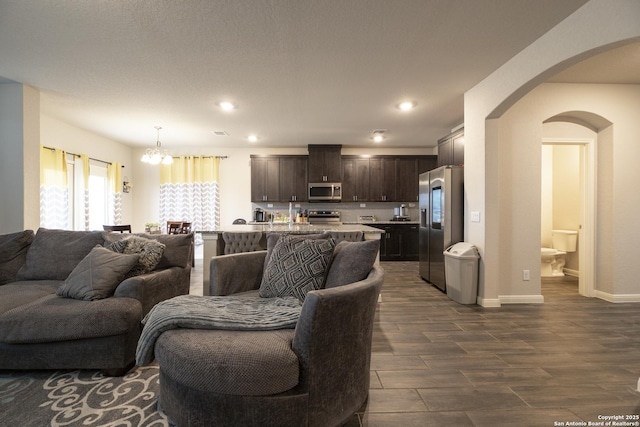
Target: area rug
80, 398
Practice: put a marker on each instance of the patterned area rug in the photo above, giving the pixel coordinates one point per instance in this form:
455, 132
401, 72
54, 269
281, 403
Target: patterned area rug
80, 398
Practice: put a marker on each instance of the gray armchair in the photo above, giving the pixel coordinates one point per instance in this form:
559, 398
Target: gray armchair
315, 375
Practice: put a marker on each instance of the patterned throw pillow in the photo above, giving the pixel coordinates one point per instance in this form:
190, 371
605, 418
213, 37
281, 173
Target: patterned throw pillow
296, 267
150, 252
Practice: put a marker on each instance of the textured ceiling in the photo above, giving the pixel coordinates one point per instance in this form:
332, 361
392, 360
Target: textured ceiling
300, 71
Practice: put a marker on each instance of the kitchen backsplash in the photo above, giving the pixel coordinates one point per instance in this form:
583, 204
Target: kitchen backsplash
349, 212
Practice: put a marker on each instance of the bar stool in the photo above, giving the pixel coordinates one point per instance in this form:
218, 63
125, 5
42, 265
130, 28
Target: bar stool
241, 242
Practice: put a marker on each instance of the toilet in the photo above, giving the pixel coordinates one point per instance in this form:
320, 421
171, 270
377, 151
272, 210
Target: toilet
552, 259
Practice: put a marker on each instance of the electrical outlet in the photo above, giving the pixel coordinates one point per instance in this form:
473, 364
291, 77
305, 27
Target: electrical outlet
269, 205
363, 205
526, 275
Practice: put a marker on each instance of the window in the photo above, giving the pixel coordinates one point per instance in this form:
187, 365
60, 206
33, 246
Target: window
93, 214
77, 192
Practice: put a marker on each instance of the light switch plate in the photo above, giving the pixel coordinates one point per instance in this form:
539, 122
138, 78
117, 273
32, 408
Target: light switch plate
475, 216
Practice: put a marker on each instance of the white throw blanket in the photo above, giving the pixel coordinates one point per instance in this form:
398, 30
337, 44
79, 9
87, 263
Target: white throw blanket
214, 312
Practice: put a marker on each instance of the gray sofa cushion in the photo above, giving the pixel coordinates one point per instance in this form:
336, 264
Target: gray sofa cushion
55, 253
150, 252
176, 252
14, 295
63, 319
296, 266
13, 254
244, 363
97, 275
352, 262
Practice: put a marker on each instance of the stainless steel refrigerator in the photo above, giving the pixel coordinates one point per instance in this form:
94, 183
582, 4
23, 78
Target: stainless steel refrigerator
441, 206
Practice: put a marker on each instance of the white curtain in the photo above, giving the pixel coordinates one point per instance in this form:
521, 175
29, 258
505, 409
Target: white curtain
190, 192
54, 190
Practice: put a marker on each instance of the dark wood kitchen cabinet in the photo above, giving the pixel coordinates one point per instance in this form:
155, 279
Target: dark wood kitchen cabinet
293, 179
407, 179
355, 179
325, 163
399, 242
265, 179
390, 246
408, 172
451, 149
383, 179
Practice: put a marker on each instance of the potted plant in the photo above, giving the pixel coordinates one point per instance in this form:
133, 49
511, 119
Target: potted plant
152, 228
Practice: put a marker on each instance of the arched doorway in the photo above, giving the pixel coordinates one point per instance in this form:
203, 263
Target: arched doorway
577, 131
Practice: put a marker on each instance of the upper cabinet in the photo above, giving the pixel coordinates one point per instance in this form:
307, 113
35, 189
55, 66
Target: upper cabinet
383, 178
325, 163
265, 179
451, 149
293, 179
278, 178
407, 186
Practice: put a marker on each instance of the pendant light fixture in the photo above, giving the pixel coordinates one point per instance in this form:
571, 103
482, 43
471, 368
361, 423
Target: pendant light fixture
157, 155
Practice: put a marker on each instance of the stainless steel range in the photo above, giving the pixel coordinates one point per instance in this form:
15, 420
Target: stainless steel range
324, 217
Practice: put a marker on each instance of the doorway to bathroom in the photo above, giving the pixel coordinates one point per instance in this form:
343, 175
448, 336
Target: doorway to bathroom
568, 203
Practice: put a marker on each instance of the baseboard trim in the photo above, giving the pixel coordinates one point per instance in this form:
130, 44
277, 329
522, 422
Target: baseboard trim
521, 299
570, 272
488, 303
617, 298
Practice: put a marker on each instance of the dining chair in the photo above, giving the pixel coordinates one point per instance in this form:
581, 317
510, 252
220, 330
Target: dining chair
120, 228
173, 227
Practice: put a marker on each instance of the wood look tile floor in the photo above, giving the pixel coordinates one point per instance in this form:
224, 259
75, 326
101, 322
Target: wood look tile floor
439, 363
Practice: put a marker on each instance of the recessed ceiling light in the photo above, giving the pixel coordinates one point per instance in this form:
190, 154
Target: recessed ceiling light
378, 135
252, 138
406, 106
227, 106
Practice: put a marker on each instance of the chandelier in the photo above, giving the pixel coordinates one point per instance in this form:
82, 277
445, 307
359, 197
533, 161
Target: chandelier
157, 155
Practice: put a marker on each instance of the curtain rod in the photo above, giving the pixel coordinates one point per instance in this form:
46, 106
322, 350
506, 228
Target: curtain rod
78, 155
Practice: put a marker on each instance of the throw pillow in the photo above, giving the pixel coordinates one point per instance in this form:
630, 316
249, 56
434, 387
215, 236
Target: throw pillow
97, 275
296, 267
352, 262
150, 252
13, 254
178, 250
273, 238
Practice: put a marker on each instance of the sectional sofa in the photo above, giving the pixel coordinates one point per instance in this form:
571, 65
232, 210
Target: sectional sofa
75, 299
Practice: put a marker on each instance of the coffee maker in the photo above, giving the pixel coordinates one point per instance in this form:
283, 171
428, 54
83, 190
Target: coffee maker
400, 214
259, 215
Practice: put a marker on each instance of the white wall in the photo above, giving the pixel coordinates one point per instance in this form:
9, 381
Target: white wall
521, 132
58, 134
19, 150
489, 164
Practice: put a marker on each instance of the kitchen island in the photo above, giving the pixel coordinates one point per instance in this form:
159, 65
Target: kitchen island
213, 245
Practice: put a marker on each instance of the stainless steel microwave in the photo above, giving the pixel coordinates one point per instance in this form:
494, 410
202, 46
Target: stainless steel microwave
325, 192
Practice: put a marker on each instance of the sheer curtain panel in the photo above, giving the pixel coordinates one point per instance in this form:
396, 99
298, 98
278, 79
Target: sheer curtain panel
54, 190
189, 191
